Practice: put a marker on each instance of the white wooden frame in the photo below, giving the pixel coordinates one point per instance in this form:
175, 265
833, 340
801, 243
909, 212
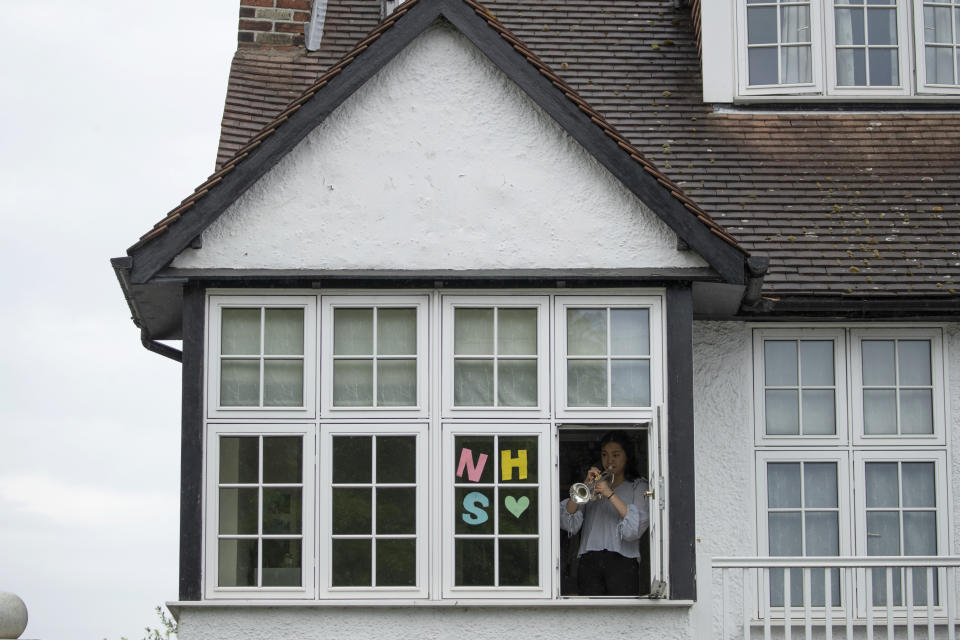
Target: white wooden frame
921, 59
328, 304
542, 305
211, 511
215, 305
327, 431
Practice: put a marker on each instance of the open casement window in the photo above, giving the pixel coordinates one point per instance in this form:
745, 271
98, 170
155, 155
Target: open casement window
262, 356
868, 47
937, 25
780, 46
374, 355
260, 497
609, 356
495, 356
496, 496
373, 511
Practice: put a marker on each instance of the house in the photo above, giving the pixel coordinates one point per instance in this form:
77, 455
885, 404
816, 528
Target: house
448, 244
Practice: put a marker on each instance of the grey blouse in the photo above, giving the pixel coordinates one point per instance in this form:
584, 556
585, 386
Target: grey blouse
603, 528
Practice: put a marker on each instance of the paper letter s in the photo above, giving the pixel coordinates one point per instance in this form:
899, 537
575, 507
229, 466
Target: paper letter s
473, 502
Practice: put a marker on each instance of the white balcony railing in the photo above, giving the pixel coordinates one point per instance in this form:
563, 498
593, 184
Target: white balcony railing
845, 597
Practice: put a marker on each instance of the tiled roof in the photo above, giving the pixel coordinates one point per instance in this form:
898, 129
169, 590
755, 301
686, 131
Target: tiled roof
842, 202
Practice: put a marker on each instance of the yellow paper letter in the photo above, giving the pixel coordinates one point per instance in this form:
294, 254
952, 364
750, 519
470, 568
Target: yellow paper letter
508, 463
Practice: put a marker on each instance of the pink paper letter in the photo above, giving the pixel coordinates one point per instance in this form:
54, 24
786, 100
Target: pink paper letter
466, 462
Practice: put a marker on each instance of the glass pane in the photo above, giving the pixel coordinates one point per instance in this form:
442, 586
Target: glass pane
587, 332
851, 68
883, 487
816, 363
282, 563
517, 332
239, 383
822, 534
353, 383
920, 533
783, 485
763, 65
879, 411
282, 459
473, 331
878, 363
283, 334
239, 459
630, 383
396, 459
939, 62
777, 591
630, 332
238, 511
283, 383
396, 563
282, 510
473, 383
473, 458
397, 383
878, 577
352, 511
518, 511
795, 24
518, 459
474, 510
786, 538
916, 411
882, 26
936, 21
914, 367
397, 332
849, 25
517, 383
819, 417
587, 383
762, 25
519, 563
237, 563
883, 68
351, 563
351, 459
780, 363
795, 64
396, 511
918, 484
820, 484
883, 533
240, 332
473, 561
783, 412
353, 332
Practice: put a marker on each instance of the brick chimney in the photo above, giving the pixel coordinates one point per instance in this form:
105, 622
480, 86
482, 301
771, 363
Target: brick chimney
273, 23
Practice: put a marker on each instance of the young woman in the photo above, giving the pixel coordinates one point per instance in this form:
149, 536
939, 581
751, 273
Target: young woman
610, 527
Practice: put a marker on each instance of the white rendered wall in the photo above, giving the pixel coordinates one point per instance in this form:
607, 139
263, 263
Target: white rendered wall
439, 162
718, 37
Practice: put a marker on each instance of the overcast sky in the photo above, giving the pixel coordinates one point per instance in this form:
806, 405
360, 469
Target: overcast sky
110, 116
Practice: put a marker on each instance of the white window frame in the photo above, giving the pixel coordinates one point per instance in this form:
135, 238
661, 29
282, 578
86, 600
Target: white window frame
328, 304
542, 304
938, 378
211, 511
547, 503
904, 54
215, 305
327, 431
838, 337
923, 86
655, 304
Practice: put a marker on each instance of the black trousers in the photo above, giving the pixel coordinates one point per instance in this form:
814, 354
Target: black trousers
607, 573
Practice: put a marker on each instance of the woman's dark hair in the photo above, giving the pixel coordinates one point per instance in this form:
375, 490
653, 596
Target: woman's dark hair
623, 439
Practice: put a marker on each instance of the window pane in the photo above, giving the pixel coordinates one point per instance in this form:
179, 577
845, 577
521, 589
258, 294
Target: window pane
878, 363
630, 332
939, 62
783, 412
879, 580
473, 383
517, 383
240, 332
473, 560
519, 563
780, 363
353, 332
282, 459
352, 511
473, 459
918, 484
883, 487
351, 563
914, 362
239, 460
851, 68
849, 26
883, 533
283, 383
237, 563
816, 363
473, 331
520, 464
916, 411
777, 591
239, 383
518, 511
783, 485
879, 412
238, 511
936, 22
587, 383
763, 65
396, 563
396, 459
630, 383
920, 533
351, 459
883, 68
397, 332
882, 26
819, 416
474, 512
353, 383
795, 23
282, 563
786, 537
822, 534
397, 383
282, 510
283, 333
796, 65
517, 332
762, 25
820, 484
587, 332
396, 511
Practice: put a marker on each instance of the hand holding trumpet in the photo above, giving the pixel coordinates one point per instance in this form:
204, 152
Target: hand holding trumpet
600, 481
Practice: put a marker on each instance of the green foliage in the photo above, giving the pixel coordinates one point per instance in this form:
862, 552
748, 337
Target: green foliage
166, 631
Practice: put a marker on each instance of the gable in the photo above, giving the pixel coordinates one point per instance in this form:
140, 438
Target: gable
439, 161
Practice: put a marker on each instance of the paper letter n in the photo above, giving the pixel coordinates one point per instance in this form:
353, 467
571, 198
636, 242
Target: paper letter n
466, 462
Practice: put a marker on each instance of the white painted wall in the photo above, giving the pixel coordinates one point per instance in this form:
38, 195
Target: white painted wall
719, 41
439, 162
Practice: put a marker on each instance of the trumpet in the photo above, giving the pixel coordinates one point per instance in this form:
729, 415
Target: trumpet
582, 492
